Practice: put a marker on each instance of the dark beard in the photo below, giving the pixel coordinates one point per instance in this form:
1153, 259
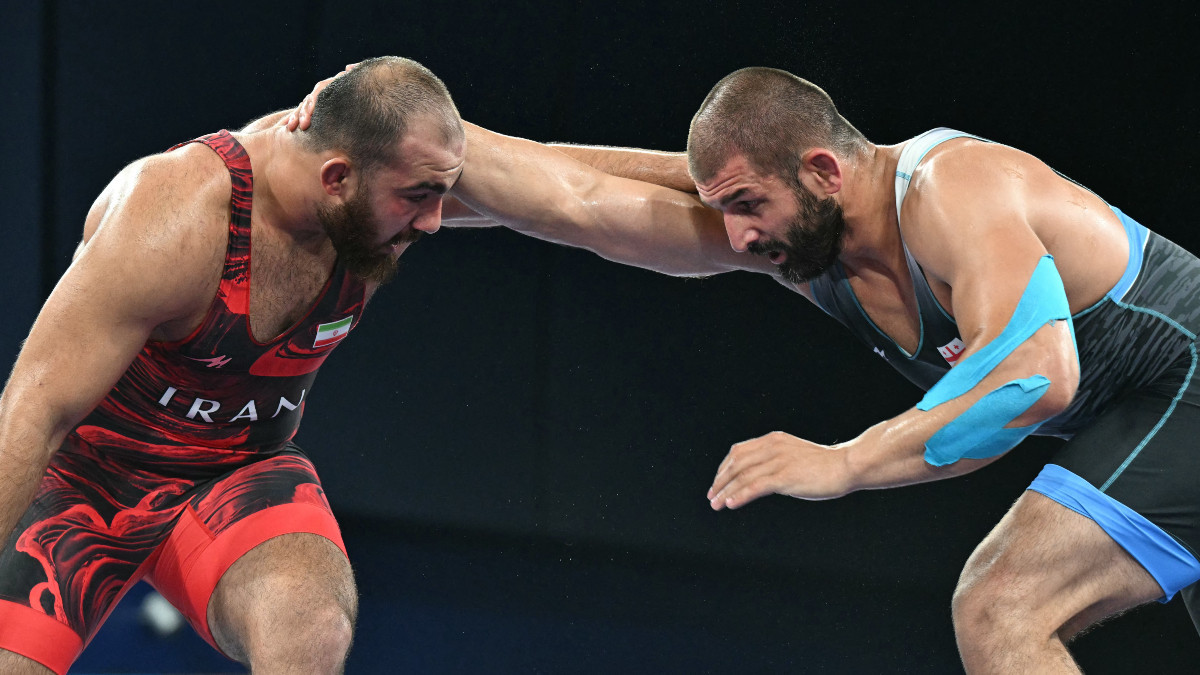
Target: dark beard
813, 238
351, 227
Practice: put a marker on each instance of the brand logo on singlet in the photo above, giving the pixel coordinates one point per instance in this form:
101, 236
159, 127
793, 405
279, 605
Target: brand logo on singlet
215, 362
334, 331
952, 350
879, 351
203, 409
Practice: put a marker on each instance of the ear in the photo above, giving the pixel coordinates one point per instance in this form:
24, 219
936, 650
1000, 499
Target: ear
334, 174
822, 167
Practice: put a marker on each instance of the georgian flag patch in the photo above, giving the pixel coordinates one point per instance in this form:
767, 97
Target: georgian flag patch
334, 331
952, 350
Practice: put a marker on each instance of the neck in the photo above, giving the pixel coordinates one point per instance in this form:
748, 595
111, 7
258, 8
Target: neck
286, 185
868, 203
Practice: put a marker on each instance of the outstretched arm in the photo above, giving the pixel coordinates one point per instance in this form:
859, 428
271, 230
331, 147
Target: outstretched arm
544, 192
537, 190
981, 245
668, 169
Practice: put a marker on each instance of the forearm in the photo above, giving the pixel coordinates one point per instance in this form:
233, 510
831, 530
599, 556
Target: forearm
539, 191
892, 453
20, 474
668, 169
459, 215
25, 451
950, 434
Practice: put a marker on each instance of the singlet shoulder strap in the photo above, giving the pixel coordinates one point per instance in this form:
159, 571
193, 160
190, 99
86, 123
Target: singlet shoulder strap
235, 280
912, 154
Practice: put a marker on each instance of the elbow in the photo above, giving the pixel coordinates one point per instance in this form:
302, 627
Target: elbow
1050, 354
1063, 374
1055, 401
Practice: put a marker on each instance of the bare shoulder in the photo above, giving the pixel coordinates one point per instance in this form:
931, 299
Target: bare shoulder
160, 229
965, 173
191, 177
970, 196
973, 199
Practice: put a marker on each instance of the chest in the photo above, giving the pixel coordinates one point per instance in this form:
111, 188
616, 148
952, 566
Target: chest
285, 282
890, 302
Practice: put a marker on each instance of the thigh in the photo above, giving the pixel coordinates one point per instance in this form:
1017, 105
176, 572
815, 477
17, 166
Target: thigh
238, 517
1139, 462
82, 543
1056, 565
15, 664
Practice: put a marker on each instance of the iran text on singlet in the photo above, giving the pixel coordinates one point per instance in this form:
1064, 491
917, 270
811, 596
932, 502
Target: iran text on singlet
220, 388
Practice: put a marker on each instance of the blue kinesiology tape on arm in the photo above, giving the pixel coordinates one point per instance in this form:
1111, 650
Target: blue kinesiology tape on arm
979, 432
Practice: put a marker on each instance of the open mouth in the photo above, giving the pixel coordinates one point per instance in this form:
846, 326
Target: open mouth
398, 242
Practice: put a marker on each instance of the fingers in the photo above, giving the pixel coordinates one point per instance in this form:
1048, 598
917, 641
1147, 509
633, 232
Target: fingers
301, 117
747, 485
741, 478
304, 112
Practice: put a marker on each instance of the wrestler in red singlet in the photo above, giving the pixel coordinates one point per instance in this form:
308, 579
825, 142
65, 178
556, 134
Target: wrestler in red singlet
186, 464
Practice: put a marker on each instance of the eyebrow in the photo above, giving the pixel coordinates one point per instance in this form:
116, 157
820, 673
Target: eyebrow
440, 188
737, 194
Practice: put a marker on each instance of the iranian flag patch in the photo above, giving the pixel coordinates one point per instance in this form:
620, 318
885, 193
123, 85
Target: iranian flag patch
329, 333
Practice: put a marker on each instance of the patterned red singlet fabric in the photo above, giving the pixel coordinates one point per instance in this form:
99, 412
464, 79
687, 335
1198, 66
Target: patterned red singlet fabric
201, 424
219, 387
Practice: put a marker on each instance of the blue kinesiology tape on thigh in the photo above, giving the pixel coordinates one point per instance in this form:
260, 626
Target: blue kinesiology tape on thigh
979, 432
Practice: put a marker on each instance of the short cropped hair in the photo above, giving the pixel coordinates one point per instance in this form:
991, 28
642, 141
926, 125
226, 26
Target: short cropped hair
770, 116
367, 111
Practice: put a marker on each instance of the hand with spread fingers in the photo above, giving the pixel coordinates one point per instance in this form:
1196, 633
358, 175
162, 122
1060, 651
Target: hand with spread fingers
779, 463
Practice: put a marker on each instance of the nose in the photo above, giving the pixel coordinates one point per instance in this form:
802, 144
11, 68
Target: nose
740, 236
429, 220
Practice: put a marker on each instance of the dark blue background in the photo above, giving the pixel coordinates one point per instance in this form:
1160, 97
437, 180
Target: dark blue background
519, 438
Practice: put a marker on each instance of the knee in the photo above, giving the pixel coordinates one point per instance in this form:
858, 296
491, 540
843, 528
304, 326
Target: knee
987, 607
300, 610
310, 631
289, 618
326, 630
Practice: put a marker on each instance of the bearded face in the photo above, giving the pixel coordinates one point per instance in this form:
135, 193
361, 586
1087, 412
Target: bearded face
353, 229
812, 238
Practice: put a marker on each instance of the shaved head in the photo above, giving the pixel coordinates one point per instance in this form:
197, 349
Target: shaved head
367, 112
771, 117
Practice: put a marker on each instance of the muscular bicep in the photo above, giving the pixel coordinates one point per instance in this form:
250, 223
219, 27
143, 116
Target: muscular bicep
537, 190
969, 229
